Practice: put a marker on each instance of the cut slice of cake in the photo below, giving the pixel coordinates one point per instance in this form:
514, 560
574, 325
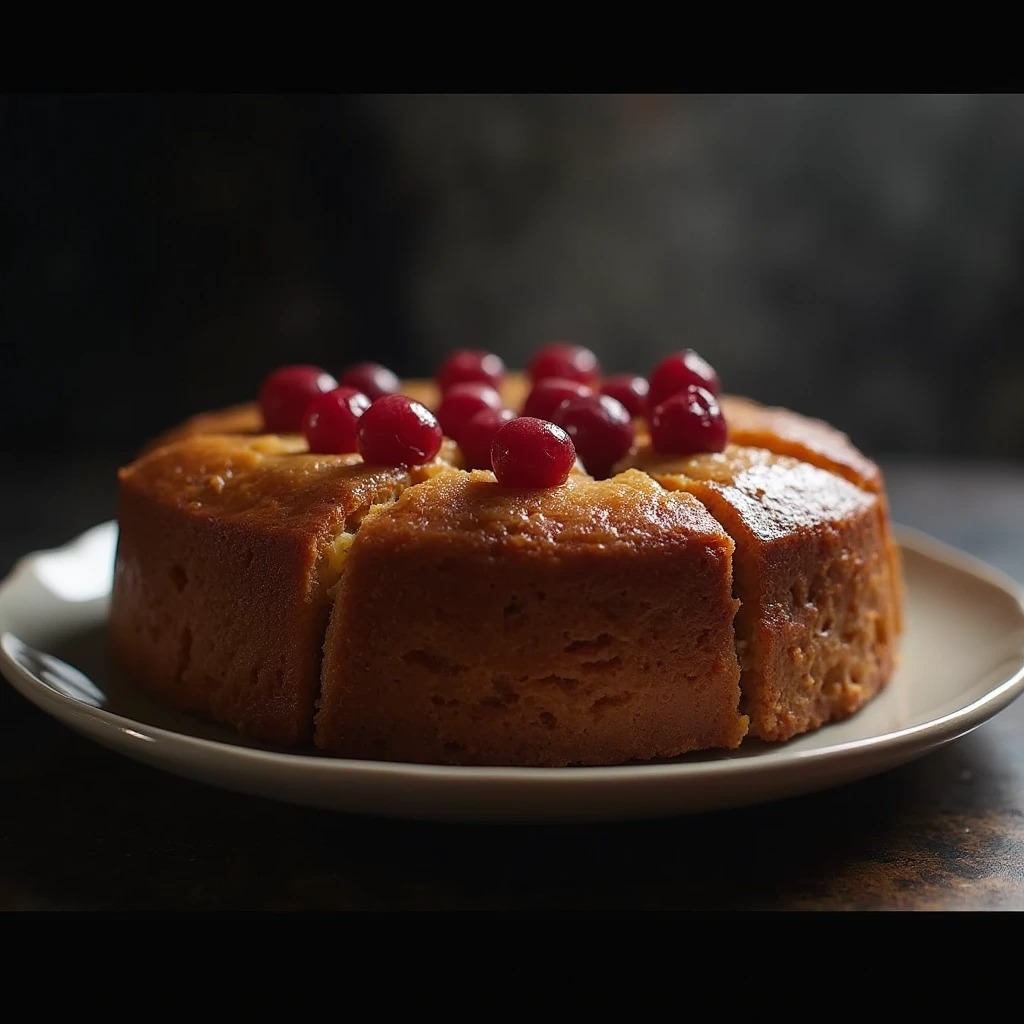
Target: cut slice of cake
787, 432
226, 552
816, 629
585, 624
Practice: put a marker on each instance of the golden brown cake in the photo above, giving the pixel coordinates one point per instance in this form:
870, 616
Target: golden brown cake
813, 440
227, 548
817, 627
433, 615
590, 623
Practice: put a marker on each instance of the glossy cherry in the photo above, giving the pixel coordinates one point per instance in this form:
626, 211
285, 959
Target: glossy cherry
287, 391
398, 431
530, 452
630, 389
601, 429
470, 364
461, 401
477, 436
675, 372
548, 394
373, 379
573, 362
690, 421
331, 419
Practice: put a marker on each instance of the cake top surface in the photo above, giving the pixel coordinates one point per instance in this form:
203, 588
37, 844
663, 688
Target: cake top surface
773, 495
749, 423
777, 471
469, 509
264, 478
791, 433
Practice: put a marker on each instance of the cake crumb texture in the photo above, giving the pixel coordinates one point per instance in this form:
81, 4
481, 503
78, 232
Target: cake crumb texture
585, 624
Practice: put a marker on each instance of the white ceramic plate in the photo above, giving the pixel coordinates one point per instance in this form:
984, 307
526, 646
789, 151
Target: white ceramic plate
963, 662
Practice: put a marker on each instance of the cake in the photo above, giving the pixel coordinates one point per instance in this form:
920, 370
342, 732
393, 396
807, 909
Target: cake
679, 602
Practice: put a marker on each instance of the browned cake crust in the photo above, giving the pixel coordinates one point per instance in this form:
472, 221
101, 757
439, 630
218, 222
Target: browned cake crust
224, 560
586, 624
802, 437
434, 616
817, 628
785, 432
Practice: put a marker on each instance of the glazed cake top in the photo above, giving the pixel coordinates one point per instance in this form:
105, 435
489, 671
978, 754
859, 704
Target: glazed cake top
749, 423
791, 433
265, 480
469, 509
773, 495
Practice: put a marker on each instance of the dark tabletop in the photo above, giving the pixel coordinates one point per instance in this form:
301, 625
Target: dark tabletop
84, 828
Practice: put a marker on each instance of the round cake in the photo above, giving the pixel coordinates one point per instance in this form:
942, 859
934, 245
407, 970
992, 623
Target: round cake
428, 610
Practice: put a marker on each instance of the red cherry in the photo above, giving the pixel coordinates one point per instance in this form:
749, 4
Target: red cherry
690, 421
285, 393
372, 379
630, 389
470, 364
461, 401
331, 418
530, 452
601, 429
678, 370
398, 431
548, 394
563, 360
477, 436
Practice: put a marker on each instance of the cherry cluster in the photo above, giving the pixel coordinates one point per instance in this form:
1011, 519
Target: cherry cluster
572, 411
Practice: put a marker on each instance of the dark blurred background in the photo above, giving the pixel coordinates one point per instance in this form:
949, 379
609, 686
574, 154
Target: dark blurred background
859, 258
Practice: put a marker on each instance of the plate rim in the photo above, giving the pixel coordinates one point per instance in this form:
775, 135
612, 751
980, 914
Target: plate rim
131, 737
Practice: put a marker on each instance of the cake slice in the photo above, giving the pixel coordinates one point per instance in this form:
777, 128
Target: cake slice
227, 549
787, 432
816, 628
586, 624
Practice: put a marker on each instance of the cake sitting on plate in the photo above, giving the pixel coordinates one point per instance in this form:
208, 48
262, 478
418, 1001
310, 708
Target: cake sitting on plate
546, 568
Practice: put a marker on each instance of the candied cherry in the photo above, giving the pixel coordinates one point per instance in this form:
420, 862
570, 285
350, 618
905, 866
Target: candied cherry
675, 372
548, 394
398, 431
574, 362
630, 389
470, 364
531, 452
601, 429
477, 436
287, 391
461, 401
374, 380
329, 424
690, 421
